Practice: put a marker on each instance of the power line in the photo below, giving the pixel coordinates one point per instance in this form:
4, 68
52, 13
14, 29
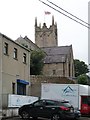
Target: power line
68, 12
64, 14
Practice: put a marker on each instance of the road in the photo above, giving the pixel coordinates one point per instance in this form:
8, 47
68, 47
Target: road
17, 118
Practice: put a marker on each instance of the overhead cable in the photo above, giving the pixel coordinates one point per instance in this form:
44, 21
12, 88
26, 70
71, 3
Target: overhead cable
68, 12
64, 14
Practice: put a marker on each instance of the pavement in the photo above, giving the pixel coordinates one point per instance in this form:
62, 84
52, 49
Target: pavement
17, 118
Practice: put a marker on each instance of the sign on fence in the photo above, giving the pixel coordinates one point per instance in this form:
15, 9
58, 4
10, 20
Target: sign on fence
19, 100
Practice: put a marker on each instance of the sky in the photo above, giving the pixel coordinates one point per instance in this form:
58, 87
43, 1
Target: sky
17, 18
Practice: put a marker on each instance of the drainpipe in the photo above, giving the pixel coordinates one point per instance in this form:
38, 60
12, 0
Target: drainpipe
1, 85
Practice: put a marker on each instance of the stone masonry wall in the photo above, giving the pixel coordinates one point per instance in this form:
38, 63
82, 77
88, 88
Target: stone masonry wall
36, 81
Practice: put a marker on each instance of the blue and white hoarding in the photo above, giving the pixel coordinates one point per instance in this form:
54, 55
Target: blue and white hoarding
19, 100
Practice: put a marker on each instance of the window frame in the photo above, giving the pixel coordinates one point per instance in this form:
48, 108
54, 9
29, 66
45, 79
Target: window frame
13, 88
54, 72
5, 48
24, 58
15, 53
21, 89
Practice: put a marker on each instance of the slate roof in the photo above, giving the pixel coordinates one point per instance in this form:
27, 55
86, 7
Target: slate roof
57, 54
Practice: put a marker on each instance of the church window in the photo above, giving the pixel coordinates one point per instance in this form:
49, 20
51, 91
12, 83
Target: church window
54, 72
69, 69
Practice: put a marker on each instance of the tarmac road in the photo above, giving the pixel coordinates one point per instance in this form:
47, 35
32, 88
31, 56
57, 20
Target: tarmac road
17, 118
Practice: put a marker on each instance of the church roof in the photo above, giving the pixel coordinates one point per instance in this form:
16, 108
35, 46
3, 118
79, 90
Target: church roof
57, 54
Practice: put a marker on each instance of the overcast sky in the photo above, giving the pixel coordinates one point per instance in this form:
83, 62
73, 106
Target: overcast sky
17, 17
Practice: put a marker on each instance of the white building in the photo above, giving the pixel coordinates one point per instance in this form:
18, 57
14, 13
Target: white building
14, 71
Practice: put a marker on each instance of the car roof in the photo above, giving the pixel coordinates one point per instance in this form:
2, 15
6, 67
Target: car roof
56, 100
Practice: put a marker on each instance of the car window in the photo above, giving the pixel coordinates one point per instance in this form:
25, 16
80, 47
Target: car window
85, 100
38, 103
48, 102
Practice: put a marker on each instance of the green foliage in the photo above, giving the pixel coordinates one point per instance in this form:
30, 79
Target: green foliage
80, 68
82, 79
36, 62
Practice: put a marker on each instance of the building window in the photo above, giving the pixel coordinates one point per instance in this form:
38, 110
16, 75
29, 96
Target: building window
6, 48
63, 70
69, 70
13, 88
24, 57
21, 89
15, 53
54, 72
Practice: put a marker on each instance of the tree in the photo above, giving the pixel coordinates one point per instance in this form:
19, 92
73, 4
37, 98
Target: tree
36, 62
83, 79
80, 67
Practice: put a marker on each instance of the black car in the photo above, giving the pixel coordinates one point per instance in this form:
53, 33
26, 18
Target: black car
45, 108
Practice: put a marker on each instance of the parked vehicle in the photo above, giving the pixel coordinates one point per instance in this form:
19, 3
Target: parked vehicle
78, 95
77, 113
46, 108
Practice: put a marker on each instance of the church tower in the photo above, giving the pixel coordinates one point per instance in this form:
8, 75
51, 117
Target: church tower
46, 37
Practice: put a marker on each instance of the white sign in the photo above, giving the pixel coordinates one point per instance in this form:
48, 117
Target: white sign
19, 100
60, 91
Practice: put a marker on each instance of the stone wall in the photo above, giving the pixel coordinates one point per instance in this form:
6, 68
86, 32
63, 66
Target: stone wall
36, 81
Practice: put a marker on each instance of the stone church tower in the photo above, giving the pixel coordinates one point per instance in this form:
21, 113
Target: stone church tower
46, 37
59, 59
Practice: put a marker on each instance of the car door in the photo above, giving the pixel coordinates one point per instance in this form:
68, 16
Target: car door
49, 108
38, 109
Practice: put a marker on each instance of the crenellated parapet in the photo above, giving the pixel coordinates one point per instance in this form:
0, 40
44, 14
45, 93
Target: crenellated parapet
44, 36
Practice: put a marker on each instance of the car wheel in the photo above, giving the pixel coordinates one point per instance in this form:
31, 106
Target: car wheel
55, 117
25, 115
